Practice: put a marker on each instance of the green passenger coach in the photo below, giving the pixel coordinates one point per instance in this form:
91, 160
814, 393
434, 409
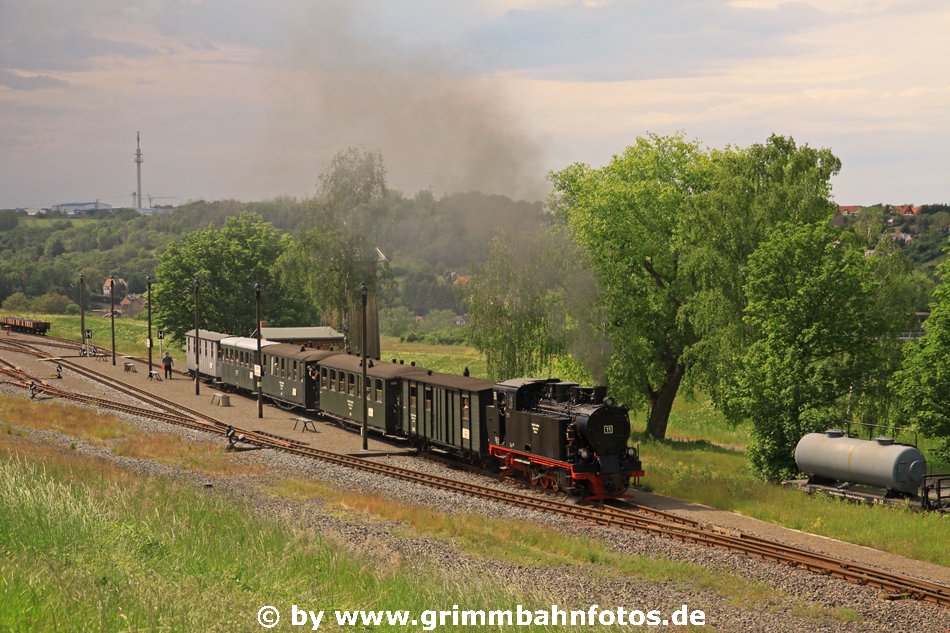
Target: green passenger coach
447, 412
341, 380
290, 374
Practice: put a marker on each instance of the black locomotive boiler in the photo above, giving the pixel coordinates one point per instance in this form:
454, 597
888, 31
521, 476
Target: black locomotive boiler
562, 436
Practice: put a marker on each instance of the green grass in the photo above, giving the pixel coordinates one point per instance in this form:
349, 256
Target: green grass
89, 547
695, 418
130, 334
449, 359
718, 477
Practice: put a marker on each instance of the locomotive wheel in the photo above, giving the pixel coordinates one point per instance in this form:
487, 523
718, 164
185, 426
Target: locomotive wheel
536, 477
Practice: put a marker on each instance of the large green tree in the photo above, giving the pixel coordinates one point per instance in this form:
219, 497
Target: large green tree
227, 261
668, 227
819, 339
627, 216
747, 192
923, 383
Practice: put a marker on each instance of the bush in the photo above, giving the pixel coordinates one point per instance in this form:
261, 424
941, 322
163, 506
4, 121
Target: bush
17, 302
52, 303
454, 336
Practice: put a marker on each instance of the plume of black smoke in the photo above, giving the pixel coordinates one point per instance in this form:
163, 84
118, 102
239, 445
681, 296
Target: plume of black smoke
437, 127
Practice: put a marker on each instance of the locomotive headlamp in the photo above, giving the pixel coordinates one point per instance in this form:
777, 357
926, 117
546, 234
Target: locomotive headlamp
631, 452
584, 454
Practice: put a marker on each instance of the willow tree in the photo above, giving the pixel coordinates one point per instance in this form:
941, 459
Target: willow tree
627, 216
528, 304
334, 251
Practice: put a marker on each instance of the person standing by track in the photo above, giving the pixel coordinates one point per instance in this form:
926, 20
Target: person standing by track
167, 363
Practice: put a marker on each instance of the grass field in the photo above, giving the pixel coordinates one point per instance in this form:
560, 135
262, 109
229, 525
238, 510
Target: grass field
89, 545
131, 335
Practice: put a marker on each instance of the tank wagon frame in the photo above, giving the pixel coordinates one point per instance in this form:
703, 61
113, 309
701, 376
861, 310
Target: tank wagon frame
874, 471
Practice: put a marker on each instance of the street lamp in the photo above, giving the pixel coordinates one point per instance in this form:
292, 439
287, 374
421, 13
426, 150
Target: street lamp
259, 370
197, 339
148, 285
363, 291
82, 311
112, 314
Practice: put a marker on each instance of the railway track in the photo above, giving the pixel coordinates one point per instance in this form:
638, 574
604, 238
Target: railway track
630, 517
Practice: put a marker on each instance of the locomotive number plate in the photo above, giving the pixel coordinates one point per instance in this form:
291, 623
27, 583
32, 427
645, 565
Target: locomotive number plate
608, 429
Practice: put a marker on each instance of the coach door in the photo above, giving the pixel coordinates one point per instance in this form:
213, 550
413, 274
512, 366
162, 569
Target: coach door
427, 406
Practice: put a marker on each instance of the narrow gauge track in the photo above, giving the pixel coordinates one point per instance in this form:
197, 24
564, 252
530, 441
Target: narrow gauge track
65, 343
633, 517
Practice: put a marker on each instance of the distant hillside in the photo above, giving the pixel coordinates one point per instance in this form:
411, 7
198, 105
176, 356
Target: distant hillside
428, 241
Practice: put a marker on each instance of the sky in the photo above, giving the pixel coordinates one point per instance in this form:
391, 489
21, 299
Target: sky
250, 99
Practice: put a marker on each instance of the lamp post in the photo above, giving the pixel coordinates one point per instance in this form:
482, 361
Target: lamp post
82, 311
112, 314
259, 370
363, 291
197, 339
148, 285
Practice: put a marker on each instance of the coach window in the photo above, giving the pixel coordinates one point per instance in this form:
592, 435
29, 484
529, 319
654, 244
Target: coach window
350, 384
465, 409
323, 378
412, 398
428, 403
378, 394
332, 380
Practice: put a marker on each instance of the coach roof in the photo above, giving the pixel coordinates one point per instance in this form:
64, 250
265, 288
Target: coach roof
285, 350
375, 368
207, 335
462, 383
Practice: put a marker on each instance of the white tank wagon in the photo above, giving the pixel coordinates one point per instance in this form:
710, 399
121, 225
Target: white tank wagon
832, 456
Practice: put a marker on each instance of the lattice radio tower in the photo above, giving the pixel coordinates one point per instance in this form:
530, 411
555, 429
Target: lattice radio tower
138, 169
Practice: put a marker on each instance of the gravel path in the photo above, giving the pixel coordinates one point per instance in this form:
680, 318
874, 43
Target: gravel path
571, 586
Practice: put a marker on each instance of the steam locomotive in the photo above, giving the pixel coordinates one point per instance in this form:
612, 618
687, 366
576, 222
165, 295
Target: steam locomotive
557, 435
